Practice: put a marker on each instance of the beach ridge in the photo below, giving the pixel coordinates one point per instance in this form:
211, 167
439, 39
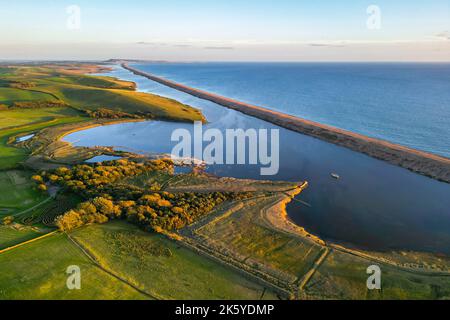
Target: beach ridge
424, 163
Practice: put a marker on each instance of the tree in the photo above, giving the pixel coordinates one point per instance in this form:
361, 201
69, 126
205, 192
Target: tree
53, 178
69, 221
37, 178
164, 203
8, 220
150, 198
88, 207
106, 207
177, 210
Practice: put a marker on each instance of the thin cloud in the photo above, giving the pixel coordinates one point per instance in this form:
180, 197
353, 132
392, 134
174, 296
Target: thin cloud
218, 48
144, 43
443, 35
164, 44
326, 45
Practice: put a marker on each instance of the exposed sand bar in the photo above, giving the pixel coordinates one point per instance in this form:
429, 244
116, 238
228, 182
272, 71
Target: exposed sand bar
421, 162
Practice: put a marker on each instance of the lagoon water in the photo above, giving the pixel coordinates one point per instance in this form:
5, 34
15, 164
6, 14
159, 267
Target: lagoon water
403, 103
373, 206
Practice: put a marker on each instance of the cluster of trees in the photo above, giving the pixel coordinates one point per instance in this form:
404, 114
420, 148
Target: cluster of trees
104, 113
171, 211
40, 182
21, 84
99, 210
153, 211
111, 197
37, 104
98, 179
6, 221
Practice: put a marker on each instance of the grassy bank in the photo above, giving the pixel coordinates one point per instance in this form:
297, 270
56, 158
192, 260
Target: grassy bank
161, 267
38, 271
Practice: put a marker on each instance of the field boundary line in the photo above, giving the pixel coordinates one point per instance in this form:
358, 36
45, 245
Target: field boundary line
314, 268
387, 262
34, 207
28, 242
92, 258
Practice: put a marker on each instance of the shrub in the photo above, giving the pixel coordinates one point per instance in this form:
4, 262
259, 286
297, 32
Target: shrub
8, 220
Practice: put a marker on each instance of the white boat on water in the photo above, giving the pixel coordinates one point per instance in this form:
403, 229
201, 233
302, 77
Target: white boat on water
336, 176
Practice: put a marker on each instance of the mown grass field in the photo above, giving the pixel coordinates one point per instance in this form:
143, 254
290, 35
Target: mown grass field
161, 267
38, 271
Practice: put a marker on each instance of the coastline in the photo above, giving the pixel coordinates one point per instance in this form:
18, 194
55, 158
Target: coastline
276, 216
57, 152
48, 149
424, 163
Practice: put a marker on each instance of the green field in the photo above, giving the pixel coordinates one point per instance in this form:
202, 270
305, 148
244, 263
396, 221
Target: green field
242, 234
17, 192
21, 122
93, 81
87, 92
143, 259
38, 271
10, 95
10, 236
68, 85
14, 119
343, 276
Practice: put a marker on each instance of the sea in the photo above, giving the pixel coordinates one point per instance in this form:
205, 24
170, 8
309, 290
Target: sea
404, 103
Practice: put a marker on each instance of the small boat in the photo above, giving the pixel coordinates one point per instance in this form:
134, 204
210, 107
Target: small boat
335, 176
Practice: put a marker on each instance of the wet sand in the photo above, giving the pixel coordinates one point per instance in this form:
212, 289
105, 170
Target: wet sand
427, 164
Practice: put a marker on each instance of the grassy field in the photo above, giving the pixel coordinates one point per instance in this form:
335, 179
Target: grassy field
162, 268
343, 276
241, 233
17, 192
45, 213
68, 85
87, 92
10, 95
17, 118
38, 271
20, 122
93, 81
10, 236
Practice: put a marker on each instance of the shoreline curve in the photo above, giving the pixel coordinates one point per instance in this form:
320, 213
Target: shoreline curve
421, 162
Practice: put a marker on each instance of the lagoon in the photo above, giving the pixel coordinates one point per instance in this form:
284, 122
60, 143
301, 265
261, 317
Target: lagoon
374, 206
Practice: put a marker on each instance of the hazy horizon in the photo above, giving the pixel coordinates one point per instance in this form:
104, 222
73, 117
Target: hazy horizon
227, 31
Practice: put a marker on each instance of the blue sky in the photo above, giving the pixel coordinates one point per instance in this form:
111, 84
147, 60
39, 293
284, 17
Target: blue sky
226, 30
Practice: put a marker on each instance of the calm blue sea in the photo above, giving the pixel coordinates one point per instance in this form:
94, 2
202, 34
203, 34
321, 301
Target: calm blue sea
403, 103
